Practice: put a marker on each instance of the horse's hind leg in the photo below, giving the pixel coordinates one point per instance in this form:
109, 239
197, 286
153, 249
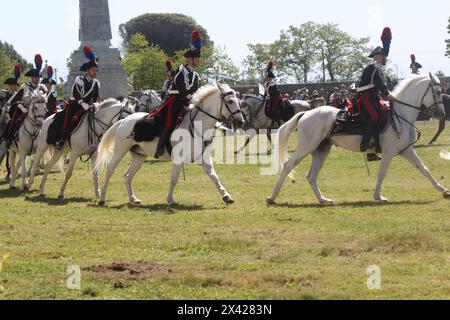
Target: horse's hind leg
136, 165
39, 154
319, 156
287, 169
95, 175
8, 166
415, 160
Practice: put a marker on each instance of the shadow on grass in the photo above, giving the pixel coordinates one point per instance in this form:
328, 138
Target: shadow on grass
426, 146
158, 208
56, 202
359, 204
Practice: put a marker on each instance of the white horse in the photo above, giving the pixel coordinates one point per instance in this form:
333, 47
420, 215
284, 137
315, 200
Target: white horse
211, 104
25, 143
255, 115
83, 142
314, 129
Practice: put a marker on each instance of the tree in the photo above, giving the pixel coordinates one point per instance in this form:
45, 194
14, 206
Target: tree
341, 56
440, 74
9, 50
6, 67
145, 63
256, 62
296, 50
447, 51
171, 32
221, 68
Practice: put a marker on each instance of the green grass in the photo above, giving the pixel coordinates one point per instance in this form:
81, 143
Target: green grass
207, 250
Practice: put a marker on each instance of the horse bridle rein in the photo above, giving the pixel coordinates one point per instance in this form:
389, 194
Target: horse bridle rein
431, 108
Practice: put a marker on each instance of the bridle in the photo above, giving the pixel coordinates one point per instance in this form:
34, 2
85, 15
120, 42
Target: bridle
437, 97
34, 123
223, 104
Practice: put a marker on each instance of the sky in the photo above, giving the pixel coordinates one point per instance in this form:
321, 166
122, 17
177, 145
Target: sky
417, 28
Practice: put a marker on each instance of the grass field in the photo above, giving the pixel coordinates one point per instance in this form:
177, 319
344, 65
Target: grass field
207, 250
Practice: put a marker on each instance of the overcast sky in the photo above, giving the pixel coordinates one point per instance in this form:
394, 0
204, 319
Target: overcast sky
52, 29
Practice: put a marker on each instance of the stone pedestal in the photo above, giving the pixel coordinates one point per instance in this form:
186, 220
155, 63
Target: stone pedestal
113, 78
95, 30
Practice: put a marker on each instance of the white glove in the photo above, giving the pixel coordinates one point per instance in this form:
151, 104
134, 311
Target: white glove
189, 97
22, 108
85, 106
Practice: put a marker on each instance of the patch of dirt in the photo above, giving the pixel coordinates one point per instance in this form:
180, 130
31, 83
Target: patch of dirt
137, 271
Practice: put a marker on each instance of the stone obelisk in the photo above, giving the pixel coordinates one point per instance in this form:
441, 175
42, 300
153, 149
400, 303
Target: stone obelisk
95, 30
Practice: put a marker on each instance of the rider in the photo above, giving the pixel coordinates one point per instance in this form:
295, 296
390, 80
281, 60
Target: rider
185, 84
272, 93
415, 66
13, 83
52, 96
17, 109
368, 101
169, 82
85, 92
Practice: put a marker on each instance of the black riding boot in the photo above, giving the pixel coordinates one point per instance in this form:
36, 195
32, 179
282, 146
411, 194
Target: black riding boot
161, 148
368, 134
60, 144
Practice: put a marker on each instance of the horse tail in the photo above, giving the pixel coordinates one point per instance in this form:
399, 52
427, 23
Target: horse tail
106, 148
284, 134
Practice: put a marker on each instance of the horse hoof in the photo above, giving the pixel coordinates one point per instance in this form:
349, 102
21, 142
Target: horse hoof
136, 203
327, 202
270, 202
60, 197
228, 199
42, 196
447, 194
102, 203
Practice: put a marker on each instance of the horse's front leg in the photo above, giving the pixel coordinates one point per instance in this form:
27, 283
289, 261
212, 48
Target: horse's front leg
8, 167
14, 169
23, 159
415, 160
385, 163
95, 176
176, 170
211, 172
73, 160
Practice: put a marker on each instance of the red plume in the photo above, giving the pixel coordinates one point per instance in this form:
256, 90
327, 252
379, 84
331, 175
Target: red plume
17, 71
196, 35
270, 66
38, 61
169, 65
413, 58
50, 72
88, 53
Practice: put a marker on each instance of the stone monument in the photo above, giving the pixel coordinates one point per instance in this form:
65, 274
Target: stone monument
95, 30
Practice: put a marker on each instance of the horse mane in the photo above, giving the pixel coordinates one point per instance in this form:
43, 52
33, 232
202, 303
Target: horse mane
405, 83
203, 93
108, 103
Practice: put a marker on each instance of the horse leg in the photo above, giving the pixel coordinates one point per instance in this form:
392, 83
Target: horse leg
385, 163
95, 176
319, 156
269, 137
69, 173
109, 173
53, 161
39, 154
287, 169
415, 160
208, 167
14, 169
247, 142
136, 165
23, 159
8, 166
176, 170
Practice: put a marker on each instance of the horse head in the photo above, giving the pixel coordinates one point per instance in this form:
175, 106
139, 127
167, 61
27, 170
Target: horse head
37, 107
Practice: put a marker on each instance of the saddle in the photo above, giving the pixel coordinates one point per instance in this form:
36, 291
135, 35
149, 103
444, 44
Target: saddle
55, 130
284, 112
351, 124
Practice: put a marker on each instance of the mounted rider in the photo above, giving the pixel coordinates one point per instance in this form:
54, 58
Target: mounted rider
272, 94
415, 66
169, 82
85, 92
18, 108
185, 84
368, 100
52, 96
13, 84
